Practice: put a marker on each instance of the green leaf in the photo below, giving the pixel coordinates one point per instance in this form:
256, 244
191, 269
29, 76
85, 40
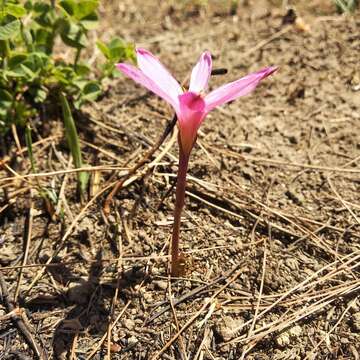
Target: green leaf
15, 10
5, 95
74, 144
79, 83
16, 60
117, 49
6, 101
85, 8
91, 91
10, 30
28, 141
73, 35
51, 194
62, 75
80, 9
346, 6
28, 72
37, 61
82, 70
41, 7
17, 73
69, 6
40, 95
90, 22
45, 15
104, 49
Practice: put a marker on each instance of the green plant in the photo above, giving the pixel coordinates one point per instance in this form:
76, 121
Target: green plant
32, 70
346, 6
74, 145
49, 196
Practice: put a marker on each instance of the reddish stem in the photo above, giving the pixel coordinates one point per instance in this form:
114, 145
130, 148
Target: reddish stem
179, 204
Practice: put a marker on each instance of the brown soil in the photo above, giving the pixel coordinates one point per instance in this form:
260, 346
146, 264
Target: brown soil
271, 223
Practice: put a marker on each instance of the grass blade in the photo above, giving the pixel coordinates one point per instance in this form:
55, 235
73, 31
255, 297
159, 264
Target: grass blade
28, 141
74, 145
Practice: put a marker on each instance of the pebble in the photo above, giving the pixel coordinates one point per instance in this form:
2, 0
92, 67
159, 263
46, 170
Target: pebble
285, 338
160, 284
356, 322
148, 297
78, 292
132, 340
129, 324
228, 327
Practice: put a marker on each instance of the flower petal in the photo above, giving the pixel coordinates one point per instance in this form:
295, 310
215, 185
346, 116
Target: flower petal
157, 72
201, 73
190, 116
138, 76
237, 88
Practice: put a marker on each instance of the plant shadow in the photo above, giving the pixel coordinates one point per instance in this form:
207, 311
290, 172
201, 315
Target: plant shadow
86, 304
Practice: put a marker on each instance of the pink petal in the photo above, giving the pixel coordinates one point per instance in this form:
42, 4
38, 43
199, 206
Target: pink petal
155, 71
190, 116
236, 89
139, 77
201, 73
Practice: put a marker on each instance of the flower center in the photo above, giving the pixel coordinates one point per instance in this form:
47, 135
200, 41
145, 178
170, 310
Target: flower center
191, 114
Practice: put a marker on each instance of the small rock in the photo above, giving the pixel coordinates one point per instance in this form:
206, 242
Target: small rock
111, 219
132, 341
129, 324
295, 331
78, 293
355, 322
228, 327
283, 340
160, 284
148, 297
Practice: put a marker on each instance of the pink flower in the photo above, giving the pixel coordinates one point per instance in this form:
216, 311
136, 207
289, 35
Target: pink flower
191, 106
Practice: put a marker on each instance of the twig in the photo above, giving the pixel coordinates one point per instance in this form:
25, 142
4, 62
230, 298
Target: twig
98, 345
197, 314
200, 351
301, 314
66, 235
114, 300
182, 345
73, 347
236, 155
110, 260
19, 322
264, 42
304, 284
17, 141
143, 161
246, 350
25, 149
27, 240
236, 215
60, 172
332, 329
192, 293
342, 200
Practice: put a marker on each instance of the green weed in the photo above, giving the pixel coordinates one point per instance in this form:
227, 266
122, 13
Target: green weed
31, 71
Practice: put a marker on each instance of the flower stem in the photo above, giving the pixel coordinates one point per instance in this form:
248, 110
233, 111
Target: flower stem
179, 204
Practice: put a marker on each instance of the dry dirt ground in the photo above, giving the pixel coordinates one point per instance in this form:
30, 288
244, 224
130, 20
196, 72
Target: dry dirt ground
272, 216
